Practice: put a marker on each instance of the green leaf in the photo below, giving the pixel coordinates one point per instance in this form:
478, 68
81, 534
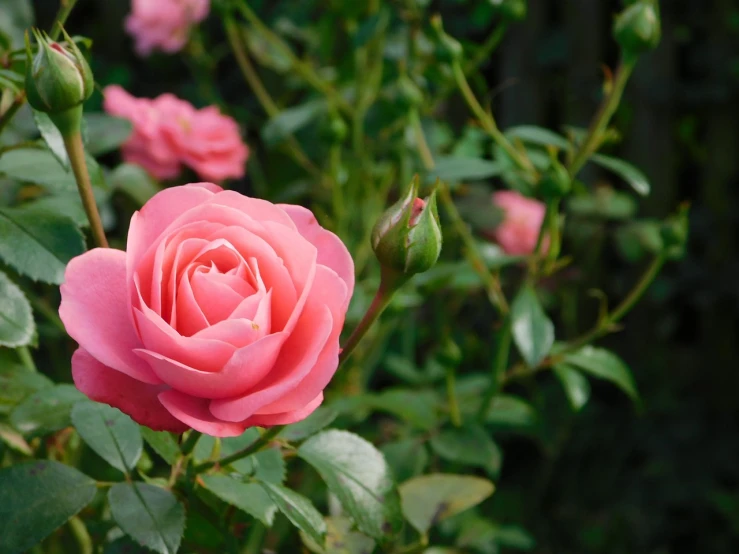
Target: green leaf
39, 243
38, 498
537, 135
508, 411
134, 181
340, 539
604, 203
52, 137
299, 510
17, 383
266, 465
105, 132
230, 445
636, 179
248, 497
533, 331
429, 499
39, 166
124, 545
149, 514
66, 204
291, 120
604, 364
453, 169
576, 386
17, 327
46, 411
407, 458
110, 433
356, 472
414, 406
321, 418
162, 443
16, 17
469, 445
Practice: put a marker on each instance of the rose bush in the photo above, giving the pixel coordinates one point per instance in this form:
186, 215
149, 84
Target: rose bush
224, 313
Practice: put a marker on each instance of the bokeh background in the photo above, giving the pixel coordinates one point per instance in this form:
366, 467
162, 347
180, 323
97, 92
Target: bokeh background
659, 478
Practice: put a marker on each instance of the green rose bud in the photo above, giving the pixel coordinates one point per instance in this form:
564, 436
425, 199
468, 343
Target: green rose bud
448, 49
637, 28
513, 10
407, 237
556, 182
58, 80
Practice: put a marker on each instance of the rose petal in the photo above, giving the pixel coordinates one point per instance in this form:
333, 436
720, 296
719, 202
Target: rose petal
285, 418
194, 413
96, 313
297, 358
190, 318
255, 208
139, 400
331, 250
247, 367
216, 297
328, 290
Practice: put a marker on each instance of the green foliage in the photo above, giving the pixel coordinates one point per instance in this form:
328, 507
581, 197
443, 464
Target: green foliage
299, 510
45, 411
151, 515
16, 320
533, 331
38, 497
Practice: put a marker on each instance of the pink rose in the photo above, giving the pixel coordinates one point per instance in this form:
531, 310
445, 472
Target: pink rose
164, 24
224, 313
522, 220
168, 132
212, 146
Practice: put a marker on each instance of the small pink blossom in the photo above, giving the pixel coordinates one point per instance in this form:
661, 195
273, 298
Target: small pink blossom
169, 132
523, 217
164, 24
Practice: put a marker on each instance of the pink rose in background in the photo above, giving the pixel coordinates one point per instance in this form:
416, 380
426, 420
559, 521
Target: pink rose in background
523, 217
169, 132
164, 24
224, 313
212, 145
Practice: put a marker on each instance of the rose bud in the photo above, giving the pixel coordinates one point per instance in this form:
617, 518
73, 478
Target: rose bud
637, 28
407, 237
514, 10
448, 49
58, 80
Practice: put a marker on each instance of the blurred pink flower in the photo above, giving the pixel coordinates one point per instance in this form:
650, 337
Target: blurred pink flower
523, 217
164, 24
212, 146
168, 132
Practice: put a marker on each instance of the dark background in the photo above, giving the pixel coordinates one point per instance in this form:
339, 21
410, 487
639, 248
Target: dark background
664, 477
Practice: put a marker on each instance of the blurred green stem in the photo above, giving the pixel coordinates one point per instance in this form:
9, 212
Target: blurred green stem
265, 99
488, 121
260, 444
500, 361
12, 110
602, 118
471, 251
305, 70
189, 443
451, 393
76, 152
26, 359
65, 8
81, 535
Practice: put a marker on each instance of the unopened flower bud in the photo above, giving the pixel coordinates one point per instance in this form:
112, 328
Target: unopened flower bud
637, 28
448, 49
556, 182
513, 10
58, 79
334, 129
407, 237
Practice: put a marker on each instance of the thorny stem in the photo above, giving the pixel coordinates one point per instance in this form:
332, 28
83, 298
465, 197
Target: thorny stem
379, 303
